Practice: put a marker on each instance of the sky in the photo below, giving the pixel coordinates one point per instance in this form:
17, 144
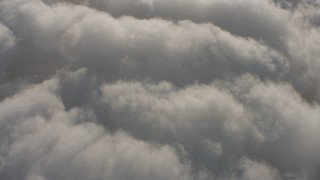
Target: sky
159, 89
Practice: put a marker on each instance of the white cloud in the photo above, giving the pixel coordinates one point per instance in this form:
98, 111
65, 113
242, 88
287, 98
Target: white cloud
127, 47
40, 140
159, 89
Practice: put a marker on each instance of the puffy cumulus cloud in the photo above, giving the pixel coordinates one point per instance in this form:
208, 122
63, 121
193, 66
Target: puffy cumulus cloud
159, 89
250, 18
191, 118
40, 140
305, 65
219, 124
240, 129
132, 48
280, 24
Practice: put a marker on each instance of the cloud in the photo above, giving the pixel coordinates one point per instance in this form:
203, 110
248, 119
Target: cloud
256, 170
283, 29
133, 48
221, 122
258, 19
158, 89
227, 129
40, 140
7, 42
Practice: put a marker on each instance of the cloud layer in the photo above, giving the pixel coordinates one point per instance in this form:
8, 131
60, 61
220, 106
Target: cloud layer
159, 89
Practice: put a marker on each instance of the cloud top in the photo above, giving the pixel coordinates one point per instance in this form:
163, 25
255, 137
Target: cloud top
159, 89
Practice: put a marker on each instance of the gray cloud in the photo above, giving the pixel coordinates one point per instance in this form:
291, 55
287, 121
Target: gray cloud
223, 122
264, 21
158, 89
7, 42
42, 140
127, 47
258, 19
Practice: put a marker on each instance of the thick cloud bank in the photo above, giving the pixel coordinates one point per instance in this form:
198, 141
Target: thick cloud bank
159, 89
